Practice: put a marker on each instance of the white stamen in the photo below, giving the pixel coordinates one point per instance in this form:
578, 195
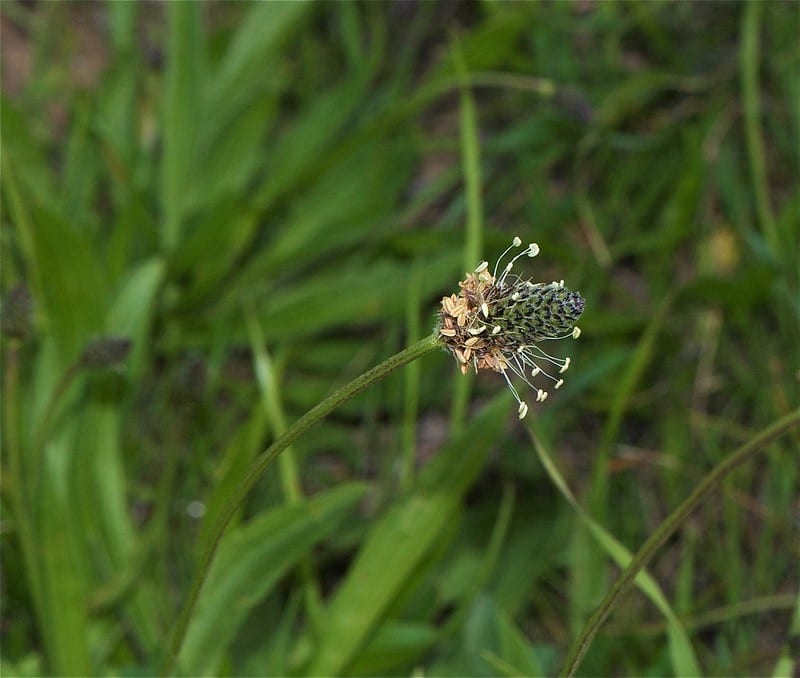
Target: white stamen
516, 242
482, 267
476, 330
485, 309
559, 384
576, 332
541, 396
565, 366
533, 249
523, 410
561, 283
511, 387
515, 296
496, 329
536, 369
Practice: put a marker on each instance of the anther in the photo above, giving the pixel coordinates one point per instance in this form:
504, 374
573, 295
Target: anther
559, 384
533, 249
523, 410
476, 330
576, 332
541, 396
482, 267
536, 369
516, 241
565, 367
496, 329
485, 309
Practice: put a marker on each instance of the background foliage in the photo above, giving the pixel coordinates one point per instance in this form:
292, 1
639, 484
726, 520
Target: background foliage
266, 199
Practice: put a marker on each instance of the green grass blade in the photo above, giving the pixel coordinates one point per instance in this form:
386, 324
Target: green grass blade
268, 379
68, 281
134, 309
65, 571
473, 241
269, 391
261, 464
749, 64
678, 517
253, 58
182, 114
250, 561
394, 644
788, 661
684, 661
588, 583
398, 544
411, 375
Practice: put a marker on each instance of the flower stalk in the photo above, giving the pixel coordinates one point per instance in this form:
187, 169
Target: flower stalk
496, 322
260, 465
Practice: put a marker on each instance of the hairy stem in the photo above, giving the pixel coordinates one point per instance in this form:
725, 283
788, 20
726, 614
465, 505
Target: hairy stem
260, 465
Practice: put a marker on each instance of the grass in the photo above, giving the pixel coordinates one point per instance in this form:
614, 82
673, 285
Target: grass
269, 199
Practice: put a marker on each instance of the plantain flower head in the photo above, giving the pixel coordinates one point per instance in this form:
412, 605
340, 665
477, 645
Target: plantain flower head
498, 321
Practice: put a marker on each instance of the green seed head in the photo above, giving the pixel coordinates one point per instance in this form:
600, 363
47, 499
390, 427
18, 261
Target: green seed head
529, 312
498, 321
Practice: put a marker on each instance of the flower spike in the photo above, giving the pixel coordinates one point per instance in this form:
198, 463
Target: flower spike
497, 323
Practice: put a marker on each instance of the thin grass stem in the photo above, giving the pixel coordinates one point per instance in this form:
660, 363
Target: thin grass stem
666, 529
473, 240
749, 59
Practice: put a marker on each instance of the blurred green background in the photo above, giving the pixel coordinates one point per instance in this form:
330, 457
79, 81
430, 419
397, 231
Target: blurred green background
268, 199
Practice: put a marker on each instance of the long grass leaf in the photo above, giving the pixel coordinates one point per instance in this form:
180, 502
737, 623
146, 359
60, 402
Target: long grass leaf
182, 114
250, 561
473, 240
399, 543
684, 661
677, 518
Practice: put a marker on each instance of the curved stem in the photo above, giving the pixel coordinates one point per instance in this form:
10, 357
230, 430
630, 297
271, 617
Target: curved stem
260, 465
666, 529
